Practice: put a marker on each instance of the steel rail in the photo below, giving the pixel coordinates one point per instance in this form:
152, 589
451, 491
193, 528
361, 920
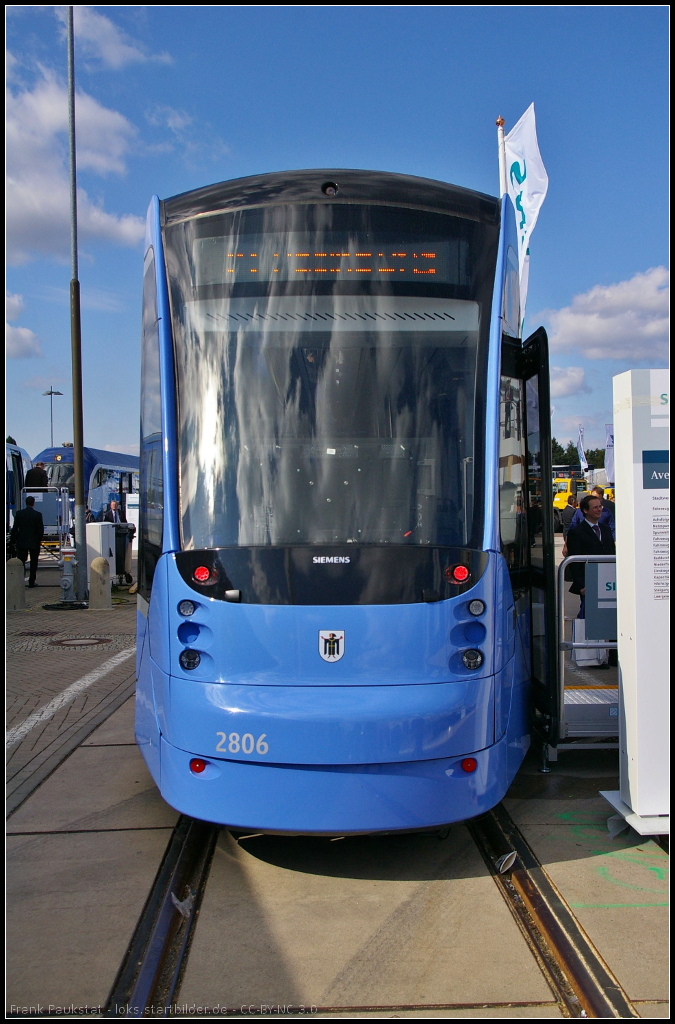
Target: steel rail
149, 978
151, 971
583, 984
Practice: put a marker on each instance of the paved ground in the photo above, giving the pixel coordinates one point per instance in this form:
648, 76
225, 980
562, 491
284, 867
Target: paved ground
357, 922
285, 921
40, 668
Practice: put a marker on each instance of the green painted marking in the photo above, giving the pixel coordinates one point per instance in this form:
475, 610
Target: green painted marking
603, 871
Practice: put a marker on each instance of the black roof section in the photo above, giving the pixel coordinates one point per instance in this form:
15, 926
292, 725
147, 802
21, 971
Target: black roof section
354, 186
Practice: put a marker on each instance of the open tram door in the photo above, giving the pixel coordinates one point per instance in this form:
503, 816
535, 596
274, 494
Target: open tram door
529, 365
545, 684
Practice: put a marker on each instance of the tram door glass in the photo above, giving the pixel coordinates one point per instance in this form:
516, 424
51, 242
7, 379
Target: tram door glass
512, 493
535, 517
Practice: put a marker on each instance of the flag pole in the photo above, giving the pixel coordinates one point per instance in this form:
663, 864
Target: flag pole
501, 145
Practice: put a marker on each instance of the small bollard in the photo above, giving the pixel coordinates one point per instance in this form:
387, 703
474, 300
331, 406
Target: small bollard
99, 584
16, 593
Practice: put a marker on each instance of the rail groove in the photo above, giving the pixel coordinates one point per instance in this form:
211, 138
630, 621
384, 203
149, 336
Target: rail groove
151, 971
580, 979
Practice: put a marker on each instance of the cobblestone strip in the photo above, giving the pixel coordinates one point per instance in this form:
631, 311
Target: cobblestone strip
17, 733
28, 774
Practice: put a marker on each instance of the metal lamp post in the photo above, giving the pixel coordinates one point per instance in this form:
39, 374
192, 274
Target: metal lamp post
76, 335
51, 394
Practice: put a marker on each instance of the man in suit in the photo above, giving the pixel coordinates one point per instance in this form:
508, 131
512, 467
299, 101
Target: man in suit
27, 533
607, 517
37, 476
590, 537
114, 514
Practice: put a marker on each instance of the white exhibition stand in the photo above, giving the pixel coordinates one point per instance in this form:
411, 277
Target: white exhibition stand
642, 479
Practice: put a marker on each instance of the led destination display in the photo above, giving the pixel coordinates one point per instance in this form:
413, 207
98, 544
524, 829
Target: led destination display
328, 256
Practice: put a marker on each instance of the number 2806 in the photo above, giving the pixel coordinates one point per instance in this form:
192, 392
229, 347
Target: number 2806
246, 744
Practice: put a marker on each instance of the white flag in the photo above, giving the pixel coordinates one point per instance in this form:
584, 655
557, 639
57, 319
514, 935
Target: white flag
609, 452
527, 184
580, 450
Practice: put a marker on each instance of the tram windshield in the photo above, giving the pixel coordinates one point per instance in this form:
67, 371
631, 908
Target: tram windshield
61, 474
330, 364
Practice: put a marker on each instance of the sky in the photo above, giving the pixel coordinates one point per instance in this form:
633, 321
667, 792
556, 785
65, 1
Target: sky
171, 98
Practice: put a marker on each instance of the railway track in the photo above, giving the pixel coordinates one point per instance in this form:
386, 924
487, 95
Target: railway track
149, 978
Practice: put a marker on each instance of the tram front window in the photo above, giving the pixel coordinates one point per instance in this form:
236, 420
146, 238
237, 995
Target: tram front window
314, 413
61, 474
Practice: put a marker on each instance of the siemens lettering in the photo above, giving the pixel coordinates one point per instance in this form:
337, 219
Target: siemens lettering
340, 559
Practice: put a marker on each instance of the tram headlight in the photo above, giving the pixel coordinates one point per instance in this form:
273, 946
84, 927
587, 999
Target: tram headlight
477, 607
472, 659
187, 608
189, 659
330, 188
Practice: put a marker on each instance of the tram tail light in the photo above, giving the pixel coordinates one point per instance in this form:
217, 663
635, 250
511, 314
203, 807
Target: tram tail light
457, 573
197, 765
202, 574
469, 765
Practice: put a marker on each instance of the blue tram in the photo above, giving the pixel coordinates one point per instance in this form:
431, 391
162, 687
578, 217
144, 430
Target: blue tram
108, 476
346, 617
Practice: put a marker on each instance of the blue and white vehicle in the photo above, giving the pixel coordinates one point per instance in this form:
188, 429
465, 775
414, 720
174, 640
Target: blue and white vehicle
346, 619
17, 464
108, 476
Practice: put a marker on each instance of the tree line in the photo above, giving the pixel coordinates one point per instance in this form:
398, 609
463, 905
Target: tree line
569, 456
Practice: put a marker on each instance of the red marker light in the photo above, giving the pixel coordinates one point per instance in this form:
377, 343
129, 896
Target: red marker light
469, 765
201, 573
197, 765
457, 574
408, 533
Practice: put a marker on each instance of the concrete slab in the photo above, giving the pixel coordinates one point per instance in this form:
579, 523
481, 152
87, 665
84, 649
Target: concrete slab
537, 1011
117, 730
618, 890
73, 903
105, 787
357, 922
654, 1010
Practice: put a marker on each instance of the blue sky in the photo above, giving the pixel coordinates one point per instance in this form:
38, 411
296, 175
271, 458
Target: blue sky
172, 98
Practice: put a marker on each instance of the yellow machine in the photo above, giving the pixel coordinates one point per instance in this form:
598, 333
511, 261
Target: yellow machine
563, 486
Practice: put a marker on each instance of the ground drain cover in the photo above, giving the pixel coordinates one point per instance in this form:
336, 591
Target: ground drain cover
82, 641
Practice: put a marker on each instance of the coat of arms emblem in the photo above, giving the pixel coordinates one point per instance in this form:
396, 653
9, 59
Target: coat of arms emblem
331, 644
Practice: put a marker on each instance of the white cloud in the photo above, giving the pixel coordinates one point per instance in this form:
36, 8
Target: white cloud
567, 380
97, 36
124, 449
196, 141
570, 425
628, 320
13, 306
45, 383
20, 342
38, 191
102, 299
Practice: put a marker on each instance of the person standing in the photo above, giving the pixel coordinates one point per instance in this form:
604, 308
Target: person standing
37, 476
114, 514
590, 537
608, 505
567, 514
27, 533
606, 518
